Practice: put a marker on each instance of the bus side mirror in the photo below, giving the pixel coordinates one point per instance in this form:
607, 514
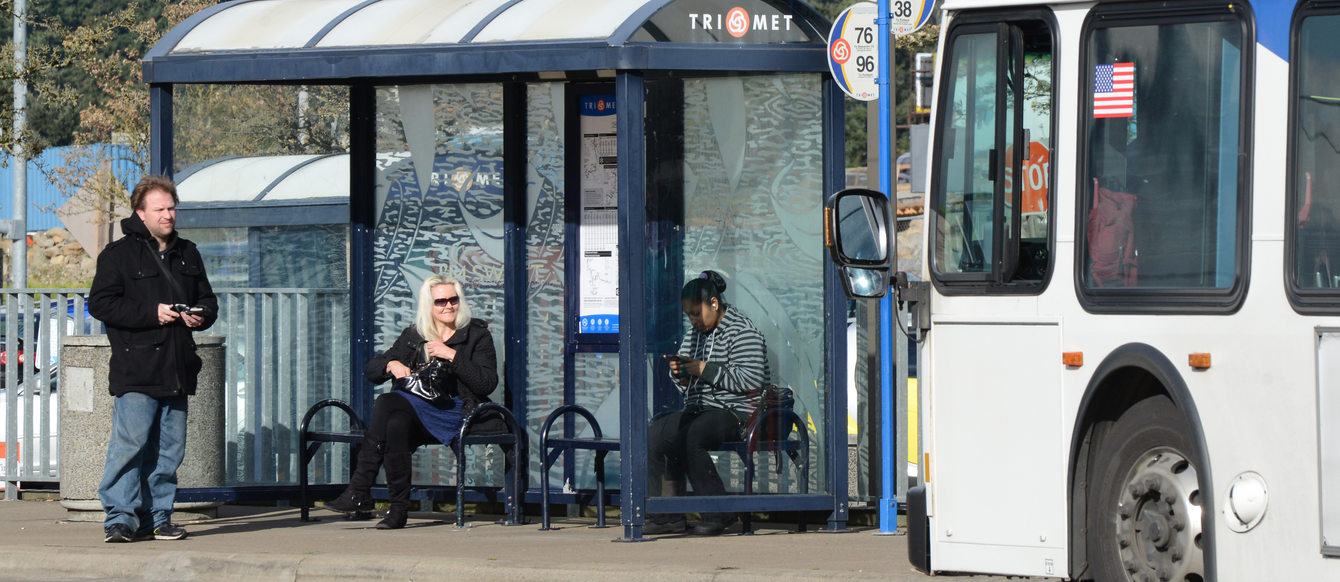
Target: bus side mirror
859, 238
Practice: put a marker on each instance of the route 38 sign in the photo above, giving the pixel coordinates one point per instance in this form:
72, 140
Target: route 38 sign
907, 16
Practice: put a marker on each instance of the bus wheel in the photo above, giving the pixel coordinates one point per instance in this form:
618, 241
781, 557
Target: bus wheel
1145, 521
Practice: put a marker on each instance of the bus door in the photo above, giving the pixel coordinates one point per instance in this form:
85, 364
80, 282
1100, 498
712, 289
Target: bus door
993, 365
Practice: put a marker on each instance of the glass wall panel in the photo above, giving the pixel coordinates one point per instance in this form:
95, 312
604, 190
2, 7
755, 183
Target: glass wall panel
735, 170
439, 211
283, 290
545, 264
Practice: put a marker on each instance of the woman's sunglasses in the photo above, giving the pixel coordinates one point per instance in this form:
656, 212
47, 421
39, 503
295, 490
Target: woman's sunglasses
445, 301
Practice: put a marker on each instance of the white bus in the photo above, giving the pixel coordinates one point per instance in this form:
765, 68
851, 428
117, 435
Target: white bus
1130, 335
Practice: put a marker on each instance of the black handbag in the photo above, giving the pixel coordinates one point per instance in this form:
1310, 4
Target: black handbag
425, 381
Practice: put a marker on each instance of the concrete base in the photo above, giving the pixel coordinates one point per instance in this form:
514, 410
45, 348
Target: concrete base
86, 426
181, 512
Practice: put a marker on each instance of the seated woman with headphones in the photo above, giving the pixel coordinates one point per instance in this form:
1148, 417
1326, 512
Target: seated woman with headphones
721, 363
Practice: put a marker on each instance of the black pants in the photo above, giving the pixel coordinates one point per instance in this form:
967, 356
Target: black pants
680, 445
395, 424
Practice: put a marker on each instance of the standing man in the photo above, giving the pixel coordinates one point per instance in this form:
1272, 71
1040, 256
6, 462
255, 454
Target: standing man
151, 292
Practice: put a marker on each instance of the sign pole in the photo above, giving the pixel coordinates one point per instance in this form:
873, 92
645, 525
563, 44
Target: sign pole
888, 502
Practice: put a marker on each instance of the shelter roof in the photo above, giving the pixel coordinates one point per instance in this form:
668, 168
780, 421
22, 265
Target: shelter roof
341, 40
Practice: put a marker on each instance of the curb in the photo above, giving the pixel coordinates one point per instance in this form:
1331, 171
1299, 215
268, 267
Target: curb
31, 564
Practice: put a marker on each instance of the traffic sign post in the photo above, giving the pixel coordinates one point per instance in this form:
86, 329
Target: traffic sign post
861, 63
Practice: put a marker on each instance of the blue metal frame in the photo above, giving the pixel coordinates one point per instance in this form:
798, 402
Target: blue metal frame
630, 98
362, 222
515, 305
160, 129
418, 62
835, 339
287, 213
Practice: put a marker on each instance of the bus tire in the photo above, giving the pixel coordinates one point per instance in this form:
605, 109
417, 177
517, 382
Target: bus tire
1145, 522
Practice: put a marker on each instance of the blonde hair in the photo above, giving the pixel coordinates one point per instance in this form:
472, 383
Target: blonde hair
423, 319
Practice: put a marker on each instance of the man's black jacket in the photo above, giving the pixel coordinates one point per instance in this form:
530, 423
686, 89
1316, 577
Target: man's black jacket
129, 284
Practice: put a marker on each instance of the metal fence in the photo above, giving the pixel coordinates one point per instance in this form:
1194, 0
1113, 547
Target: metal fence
286, 349
33, 322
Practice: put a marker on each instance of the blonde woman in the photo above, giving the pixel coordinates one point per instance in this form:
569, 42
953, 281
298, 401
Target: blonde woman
402, 421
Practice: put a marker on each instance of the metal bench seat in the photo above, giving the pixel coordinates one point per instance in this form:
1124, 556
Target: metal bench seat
512, 440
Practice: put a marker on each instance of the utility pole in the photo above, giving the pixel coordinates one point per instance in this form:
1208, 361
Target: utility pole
18, 228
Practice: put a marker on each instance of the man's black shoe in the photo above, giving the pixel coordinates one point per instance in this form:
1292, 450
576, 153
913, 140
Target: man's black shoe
350, 502
666, 525
169, 531
118, 533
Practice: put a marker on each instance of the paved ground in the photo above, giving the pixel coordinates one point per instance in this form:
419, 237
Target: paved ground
37, 542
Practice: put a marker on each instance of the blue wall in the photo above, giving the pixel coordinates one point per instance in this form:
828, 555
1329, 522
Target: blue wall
44, 196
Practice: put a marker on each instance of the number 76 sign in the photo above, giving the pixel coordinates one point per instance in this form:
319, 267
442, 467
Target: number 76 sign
853, 47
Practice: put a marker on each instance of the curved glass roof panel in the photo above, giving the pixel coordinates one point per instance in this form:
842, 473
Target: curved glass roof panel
263, 24
292, 41
325, 177
403, 22
531, 20
249, 179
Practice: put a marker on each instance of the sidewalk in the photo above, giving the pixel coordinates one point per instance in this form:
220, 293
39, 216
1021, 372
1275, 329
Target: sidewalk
268, 543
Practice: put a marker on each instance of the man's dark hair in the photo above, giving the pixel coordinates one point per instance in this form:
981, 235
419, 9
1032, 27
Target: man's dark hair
148, 184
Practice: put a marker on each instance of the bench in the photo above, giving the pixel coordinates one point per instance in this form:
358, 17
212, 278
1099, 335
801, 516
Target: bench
552, 447
513, 441
785, 419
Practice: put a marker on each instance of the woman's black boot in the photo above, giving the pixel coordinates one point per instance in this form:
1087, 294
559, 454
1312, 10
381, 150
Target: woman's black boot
395, 519
356, 497
399, 472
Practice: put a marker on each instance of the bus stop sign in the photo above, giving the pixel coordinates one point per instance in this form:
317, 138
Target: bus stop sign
853, 51
908, 16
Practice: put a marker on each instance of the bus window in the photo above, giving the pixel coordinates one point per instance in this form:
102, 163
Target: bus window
991, 189
1163, 206
1315, 241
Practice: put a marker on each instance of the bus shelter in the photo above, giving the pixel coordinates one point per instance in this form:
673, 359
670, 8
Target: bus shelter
572, 162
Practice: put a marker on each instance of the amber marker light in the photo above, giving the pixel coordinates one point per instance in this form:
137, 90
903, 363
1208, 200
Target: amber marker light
1072, 359
1199, 361
828, 236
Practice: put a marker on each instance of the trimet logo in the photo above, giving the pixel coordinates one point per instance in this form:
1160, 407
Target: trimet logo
738, 23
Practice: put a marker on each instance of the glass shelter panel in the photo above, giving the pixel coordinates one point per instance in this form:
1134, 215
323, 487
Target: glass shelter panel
735, 182
1161, 183
439, 202
1317, 156
283, 290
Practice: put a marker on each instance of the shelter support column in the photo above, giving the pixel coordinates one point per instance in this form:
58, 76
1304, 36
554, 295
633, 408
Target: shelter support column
160, 129
630, 94
835, 305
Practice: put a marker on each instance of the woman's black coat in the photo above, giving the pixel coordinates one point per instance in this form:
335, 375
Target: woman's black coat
474, 372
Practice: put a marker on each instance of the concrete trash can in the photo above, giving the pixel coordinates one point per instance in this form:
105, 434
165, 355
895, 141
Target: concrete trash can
86, 426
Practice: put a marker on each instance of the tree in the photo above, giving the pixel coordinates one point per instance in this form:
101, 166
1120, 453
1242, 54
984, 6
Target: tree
211, 120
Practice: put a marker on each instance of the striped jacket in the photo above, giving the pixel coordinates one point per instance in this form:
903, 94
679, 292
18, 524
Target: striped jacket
736, 364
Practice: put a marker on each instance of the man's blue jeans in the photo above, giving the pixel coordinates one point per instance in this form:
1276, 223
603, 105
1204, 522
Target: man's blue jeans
148, 442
